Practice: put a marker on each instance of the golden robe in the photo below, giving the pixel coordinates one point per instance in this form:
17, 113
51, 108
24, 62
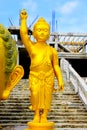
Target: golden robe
41, 82
41, 86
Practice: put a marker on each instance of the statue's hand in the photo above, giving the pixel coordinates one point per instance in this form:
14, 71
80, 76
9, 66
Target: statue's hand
23, 14
60, 87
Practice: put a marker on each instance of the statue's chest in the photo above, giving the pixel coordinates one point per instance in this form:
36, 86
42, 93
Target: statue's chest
36, 51
40, 53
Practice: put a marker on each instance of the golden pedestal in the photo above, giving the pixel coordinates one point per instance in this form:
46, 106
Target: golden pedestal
40, 126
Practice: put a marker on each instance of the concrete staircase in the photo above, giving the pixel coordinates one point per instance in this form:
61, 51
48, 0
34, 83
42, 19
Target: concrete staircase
67, 110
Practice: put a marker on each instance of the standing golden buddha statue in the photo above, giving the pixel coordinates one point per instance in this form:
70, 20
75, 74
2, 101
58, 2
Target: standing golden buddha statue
44, 65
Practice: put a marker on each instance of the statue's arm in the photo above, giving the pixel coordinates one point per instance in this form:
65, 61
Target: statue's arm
57, 70
24, 31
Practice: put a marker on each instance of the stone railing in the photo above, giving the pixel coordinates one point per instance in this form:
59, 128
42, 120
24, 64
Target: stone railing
77, 82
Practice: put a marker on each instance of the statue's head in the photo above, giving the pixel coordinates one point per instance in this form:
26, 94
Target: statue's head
41, 30
10, 72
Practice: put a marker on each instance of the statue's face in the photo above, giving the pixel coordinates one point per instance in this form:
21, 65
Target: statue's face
41, 32
2, 64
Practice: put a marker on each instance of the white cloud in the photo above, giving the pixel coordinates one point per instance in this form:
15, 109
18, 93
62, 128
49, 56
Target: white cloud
69, 7
29, 4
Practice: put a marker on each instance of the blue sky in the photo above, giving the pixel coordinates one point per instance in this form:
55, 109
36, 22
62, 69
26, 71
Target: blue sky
71, 15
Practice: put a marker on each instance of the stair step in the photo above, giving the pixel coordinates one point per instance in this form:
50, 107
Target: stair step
70, 125
67, 110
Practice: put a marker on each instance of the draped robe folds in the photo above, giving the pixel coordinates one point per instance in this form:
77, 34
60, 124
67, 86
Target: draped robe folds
41, 82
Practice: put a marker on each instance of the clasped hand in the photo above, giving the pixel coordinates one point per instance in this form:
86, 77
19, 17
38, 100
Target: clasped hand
23, 14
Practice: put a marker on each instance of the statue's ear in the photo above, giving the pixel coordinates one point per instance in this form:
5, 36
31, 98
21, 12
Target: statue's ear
15, 76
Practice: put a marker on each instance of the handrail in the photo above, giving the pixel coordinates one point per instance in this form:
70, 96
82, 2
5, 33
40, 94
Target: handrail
75, 79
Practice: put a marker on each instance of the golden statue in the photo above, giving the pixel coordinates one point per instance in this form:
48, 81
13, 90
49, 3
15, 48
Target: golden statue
10, 73
44, 65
